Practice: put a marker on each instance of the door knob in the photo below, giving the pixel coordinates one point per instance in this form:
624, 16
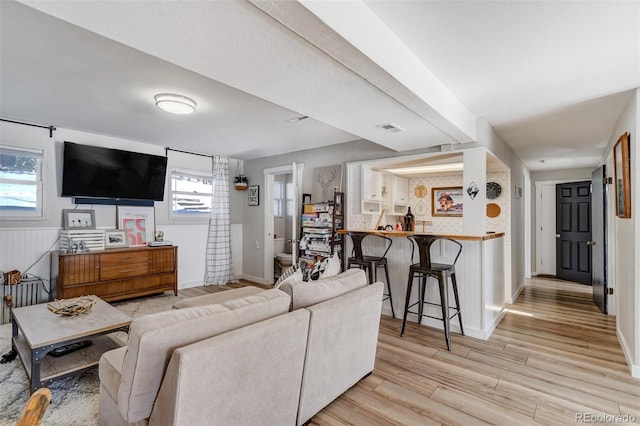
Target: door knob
557, 235
591, 243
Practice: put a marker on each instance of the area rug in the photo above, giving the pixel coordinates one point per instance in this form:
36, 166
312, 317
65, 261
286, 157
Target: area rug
74, 400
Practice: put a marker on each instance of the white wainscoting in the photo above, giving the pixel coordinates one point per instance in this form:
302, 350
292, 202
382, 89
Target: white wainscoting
21, 247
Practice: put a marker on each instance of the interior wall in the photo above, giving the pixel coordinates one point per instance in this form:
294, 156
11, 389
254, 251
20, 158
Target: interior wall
31, 240
253, 230
624, 243
517, 249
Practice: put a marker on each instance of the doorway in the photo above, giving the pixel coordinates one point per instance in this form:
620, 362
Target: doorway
573, 232
282, 194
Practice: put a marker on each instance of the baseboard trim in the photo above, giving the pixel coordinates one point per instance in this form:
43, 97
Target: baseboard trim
253, 278
634, 369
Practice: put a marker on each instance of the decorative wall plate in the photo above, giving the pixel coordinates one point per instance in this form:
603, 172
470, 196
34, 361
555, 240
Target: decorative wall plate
420, 191
493, 210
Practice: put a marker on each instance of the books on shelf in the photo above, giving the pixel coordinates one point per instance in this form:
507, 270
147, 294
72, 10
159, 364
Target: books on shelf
317, 230
318, 224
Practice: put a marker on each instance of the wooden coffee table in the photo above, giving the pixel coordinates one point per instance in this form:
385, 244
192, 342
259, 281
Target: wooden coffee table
37, 331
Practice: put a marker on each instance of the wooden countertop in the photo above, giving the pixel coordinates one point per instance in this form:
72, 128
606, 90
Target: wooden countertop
407, 233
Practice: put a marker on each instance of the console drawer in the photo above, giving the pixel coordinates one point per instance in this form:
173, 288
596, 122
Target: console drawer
124, 258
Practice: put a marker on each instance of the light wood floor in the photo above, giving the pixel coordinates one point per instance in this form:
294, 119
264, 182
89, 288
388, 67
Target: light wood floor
554, 359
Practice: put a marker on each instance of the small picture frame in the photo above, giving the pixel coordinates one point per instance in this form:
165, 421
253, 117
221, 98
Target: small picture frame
446, 202
518, 191
78, 219
254, 195
115, 238
138, 224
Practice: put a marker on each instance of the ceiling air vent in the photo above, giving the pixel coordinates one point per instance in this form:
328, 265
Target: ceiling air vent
390, 127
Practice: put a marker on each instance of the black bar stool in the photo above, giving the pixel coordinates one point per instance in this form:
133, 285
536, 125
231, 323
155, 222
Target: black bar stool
371, 263
441, 272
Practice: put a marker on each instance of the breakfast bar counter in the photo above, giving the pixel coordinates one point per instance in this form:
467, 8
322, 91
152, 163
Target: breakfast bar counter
479, 271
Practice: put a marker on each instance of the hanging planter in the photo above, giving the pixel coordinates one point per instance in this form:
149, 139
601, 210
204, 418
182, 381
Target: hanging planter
241, 182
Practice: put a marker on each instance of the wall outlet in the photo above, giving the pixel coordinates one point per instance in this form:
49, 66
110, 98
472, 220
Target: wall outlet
257, 244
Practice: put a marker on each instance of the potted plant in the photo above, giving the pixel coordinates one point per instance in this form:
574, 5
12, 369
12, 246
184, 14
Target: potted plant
241, 182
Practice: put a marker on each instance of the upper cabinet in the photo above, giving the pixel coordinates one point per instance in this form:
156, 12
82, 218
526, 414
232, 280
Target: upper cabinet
395, 195
371, 190
399, 195
371, 184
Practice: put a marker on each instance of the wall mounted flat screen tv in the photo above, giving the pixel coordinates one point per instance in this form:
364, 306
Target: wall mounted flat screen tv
93, 171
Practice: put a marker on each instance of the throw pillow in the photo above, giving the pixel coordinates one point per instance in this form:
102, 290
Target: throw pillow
296, 276
316, 271
286, 274
301, 266
333, 267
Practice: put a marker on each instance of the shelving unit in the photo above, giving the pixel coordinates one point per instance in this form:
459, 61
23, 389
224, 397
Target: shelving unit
319, 223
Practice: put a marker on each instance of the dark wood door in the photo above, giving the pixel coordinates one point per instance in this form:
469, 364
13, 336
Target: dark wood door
599, 238
573, 232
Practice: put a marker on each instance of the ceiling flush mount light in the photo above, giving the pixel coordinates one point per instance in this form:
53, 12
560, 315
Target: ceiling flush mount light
176, 104
436, 168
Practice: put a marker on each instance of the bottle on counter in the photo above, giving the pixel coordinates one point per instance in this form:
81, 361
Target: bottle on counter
409, 221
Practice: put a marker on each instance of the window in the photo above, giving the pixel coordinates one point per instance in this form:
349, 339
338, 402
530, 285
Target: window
20, 182
278, 199
282, 201
191, 193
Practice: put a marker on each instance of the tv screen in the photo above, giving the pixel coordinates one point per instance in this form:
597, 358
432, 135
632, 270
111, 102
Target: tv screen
93, 171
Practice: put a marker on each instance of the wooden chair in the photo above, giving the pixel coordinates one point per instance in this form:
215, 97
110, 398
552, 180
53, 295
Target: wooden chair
34, 410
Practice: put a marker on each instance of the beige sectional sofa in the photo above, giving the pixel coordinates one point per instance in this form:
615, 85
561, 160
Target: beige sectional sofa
246, 356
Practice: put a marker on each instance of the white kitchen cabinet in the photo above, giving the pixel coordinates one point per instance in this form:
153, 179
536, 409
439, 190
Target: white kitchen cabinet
399, 195
371, 190
371, 184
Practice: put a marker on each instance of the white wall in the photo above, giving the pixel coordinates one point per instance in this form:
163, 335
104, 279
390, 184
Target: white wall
23, 242
624, 244
515, 247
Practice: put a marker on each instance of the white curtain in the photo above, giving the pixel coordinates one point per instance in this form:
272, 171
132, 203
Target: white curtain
219, 265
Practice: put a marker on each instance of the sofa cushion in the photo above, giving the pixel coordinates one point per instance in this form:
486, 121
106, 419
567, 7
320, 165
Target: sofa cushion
217, 298
153, 338
110, 365
305, 294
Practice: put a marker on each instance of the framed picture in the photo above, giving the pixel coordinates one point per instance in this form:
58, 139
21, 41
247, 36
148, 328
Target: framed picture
138, 223
114, 239
78, 219
622, 171
326, 181
254, 195
518, 191
446, 201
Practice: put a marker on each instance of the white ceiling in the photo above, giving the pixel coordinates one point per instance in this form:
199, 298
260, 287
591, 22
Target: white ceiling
551, 77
